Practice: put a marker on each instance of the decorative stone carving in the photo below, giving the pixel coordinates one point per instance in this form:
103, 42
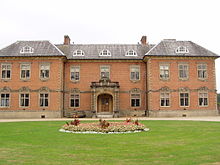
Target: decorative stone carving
105, 86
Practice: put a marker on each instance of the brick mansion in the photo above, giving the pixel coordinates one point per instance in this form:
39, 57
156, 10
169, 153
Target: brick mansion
43, 80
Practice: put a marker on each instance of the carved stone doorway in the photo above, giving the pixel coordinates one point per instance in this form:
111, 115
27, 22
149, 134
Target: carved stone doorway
105, 103
105, 97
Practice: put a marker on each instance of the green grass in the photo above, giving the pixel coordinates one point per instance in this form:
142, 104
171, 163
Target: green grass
167, 142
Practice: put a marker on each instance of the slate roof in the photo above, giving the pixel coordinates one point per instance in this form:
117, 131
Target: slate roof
41, 48
92, 51
168, 47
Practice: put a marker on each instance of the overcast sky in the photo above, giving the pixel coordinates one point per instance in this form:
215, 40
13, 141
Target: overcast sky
112, 21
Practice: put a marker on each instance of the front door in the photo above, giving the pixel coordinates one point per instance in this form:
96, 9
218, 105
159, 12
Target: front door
105, 103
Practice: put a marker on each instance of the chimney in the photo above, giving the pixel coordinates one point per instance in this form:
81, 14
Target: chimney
144, 40
66, 40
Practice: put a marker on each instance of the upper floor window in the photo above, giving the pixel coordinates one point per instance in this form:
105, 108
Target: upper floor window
5, 100
105, 52
25, 71
183, 71
27, 49
6, 71
164, 71
44, 99
78, 53
105, 71
202, 71
131, 53
134, 72
75, 73
182, 49
44, 71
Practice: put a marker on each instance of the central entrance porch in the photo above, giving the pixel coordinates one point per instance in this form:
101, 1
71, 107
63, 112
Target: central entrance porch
105, 98
105, 103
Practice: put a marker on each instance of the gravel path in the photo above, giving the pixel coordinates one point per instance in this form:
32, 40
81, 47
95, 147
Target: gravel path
209, 118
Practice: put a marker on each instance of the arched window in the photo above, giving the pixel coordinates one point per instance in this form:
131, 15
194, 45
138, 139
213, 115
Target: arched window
182, 49
27, 49
105, 52
131, 53
78, 53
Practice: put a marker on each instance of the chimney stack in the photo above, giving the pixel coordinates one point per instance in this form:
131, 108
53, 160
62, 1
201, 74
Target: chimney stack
144, 40
66, 40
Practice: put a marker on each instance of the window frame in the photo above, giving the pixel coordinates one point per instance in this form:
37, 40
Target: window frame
206, 71
44, 98
169, 98
203, 92
182, 50
134, 53
184, 92
72, 98
102, 53
25, 72
7, 64
29, 100
187, 71
76, 53
109, 71
134, 98
139, 72
74, 67
9, 100
164, 78
44, 64
24, 50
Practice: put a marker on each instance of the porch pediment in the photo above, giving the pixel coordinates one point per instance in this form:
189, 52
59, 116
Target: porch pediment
105, 82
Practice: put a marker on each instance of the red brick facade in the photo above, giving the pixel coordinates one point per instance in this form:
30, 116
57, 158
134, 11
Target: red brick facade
133, 87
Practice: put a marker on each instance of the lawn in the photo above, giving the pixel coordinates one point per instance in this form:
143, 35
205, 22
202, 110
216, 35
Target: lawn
167, 142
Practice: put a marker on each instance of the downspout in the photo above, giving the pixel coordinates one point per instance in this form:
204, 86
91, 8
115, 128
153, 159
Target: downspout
146, 89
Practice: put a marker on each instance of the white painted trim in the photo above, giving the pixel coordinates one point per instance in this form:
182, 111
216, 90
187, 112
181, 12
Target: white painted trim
108, 52
134, 53
82, 53
57, 48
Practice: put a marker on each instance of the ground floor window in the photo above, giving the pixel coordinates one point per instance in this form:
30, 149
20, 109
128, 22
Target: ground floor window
24, 99
44, 99
135, 100
184, 99
5, 98
164, 99
74, 100
203, 99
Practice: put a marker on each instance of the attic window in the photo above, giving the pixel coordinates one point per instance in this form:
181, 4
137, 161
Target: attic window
78, 53
182, 49
105, 52
131, 53
27, 49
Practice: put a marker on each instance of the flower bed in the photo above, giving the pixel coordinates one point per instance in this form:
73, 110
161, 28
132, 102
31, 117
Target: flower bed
103, 126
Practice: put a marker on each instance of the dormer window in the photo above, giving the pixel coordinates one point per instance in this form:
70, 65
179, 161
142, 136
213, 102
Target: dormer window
182, 49
105, 52
27, 49
131, 53
78, 53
